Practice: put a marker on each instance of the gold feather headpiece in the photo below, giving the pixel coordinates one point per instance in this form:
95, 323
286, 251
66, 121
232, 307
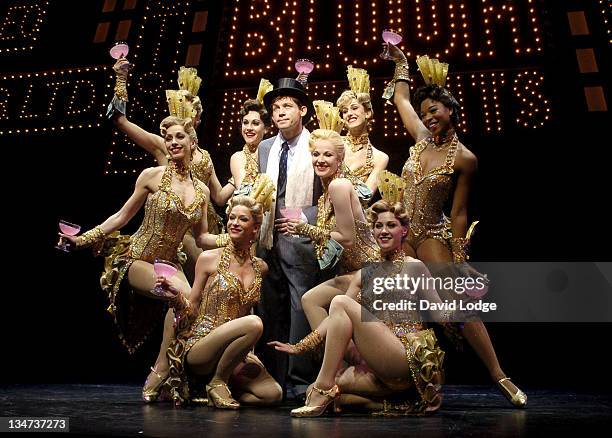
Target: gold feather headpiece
264, 86
359, 79
263, 192
391, 187
189, 80
328, 115
178, 105
432, 70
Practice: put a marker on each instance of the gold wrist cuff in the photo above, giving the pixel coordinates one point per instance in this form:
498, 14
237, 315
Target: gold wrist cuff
309, 343
121, 88
90, 237
459, 249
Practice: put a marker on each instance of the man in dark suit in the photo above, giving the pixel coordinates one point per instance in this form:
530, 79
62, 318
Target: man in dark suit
293, 267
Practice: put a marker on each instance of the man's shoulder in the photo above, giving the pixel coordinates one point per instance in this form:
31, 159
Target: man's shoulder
267, 143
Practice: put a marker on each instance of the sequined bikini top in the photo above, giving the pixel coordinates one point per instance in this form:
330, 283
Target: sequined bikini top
166, 220
225, 298
427, 193
363, 171
203, 169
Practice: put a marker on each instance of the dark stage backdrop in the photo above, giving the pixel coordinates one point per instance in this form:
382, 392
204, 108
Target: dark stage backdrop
530, 76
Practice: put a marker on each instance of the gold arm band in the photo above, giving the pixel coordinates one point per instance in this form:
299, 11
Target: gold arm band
402, 73
309, 343
222, 240
459, 249
316, 234
90, 238
121, 87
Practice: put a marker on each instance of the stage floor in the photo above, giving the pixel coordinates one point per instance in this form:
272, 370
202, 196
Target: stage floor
466, 411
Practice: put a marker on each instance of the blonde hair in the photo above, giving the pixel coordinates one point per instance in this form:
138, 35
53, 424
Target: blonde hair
248, 202
364, 99
383, 206
327, 134
187, 125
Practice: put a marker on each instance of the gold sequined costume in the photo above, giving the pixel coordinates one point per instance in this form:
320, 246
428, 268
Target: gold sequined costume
166, 220
202, 170
365, 248
364, 171
223, 300
425, 195
422, 393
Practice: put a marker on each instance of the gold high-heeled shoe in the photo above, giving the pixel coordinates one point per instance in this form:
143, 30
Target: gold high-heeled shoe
518, 399
219, 402
152, 394
315, 411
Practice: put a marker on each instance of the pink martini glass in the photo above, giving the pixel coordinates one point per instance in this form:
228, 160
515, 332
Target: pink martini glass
163, 268
304, 67
120, 50
292, 213
390, 37
69, 229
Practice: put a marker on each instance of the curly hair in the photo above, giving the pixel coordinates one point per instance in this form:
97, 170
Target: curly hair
255, 105
327, 134
363, 99
383, 206
439, 94
187, 125
248, 202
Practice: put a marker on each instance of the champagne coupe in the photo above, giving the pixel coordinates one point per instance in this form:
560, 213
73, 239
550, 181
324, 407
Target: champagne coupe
120, 50
291, 213
69, 229
163, 268
391, 37
303, 67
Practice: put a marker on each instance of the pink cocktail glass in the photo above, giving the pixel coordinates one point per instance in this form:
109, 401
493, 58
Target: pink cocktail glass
303, 67
292, 213
390, 37
163, 268
120, 50
69, 229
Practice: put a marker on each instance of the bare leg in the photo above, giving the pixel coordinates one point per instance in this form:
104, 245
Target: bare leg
142, 278
475, 332
224, 348
316, 301
260, 389
193, 252
384, 353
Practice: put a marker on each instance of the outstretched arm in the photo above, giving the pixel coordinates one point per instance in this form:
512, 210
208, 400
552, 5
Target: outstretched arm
121, 217
401, 98
150, 142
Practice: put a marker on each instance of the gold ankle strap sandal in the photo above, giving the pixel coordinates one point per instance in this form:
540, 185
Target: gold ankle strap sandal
315, 411
219, 402
150, 395
518, 399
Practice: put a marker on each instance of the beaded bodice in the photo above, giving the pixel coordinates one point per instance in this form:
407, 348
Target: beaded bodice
362, 172
225, 298
202, 169
251, 167
166, 220
426, 194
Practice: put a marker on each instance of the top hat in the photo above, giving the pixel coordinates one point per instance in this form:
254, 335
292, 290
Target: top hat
293, 88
